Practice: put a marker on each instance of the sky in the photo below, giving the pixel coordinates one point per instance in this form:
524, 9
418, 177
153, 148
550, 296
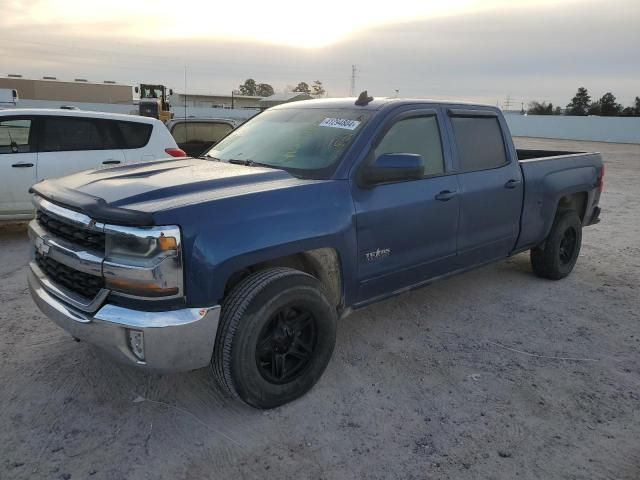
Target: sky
476, 50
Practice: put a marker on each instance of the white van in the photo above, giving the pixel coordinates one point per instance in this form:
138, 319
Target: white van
36, 144
8, 97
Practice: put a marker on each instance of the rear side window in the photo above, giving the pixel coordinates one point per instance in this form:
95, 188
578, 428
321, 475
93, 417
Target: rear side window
419, 135
63, 134
479, 142
14, 136
134, 135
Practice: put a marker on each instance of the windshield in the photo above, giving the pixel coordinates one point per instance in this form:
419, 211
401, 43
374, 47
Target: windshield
307, 142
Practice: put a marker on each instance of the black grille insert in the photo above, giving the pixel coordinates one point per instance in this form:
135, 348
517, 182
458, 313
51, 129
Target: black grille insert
66, 231
81, 283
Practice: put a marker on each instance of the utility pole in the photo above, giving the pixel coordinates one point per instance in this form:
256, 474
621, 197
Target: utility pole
507, 103
353, 80
185, 94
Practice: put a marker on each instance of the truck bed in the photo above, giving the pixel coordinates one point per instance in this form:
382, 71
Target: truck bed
548, 176
534, 154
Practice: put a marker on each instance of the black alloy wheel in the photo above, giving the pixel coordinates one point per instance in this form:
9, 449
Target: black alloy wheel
276, 335
568, 245
286, 345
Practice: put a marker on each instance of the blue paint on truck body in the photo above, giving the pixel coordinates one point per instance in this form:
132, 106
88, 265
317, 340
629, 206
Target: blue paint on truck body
388, 238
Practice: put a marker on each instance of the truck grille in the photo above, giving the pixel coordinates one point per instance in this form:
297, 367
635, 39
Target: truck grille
80, 236
81, 283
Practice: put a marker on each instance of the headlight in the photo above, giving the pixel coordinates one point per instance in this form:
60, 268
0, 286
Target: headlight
143, 262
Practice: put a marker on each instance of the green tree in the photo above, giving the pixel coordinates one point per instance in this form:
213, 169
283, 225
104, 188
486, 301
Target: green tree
557, 111
580, 103
634, 110
249, 87
595, 108
303, 87
318, 88
537, 108
608, 105
264, 90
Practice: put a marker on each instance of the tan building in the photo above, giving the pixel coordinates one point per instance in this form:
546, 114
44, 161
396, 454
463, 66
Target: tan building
76, 91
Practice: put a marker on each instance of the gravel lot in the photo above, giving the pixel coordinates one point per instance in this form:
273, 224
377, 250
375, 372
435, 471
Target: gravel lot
467, 378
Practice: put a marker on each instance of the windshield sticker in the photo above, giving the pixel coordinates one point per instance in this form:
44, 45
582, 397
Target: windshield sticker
340, 123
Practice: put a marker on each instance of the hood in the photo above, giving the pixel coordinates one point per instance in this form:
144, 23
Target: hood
130, 194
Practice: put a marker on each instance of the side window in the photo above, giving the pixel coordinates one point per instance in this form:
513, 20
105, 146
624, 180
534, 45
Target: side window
135, 135
108, 129
419, 135
63, 134
479, 142
14, 136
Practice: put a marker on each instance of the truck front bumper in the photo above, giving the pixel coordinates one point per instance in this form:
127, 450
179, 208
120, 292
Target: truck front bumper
176, 340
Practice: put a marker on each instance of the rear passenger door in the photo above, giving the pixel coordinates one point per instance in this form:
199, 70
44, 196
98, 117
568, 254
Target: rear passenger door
71, 144
490, 187
18, 159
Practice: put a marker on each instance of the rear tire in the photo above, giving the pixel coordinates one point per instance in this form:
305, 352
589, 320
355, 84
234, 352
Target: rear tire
557, 256
276, 336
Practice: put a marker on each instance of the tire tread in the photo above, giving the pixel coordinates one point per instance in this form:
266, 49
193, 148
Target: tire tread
543, 258
234, 307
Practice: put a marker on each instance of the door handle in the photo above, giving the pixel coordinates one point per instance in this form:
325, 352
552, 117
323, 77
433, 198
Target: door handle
22, 165
445, 195
512, 183
111, 162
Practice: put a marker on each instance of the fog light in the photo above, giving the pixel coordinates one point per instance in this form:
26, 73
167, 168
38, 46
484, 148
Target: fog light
136, 343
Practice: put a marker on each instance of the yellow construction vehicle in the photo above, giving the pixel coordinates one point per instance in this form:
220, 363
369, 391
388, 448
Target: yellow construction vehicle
154, 102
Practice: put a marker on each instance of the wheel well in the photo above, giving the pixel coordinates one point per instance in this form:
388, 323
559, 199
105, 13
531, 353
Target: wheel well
323, 264
575, 201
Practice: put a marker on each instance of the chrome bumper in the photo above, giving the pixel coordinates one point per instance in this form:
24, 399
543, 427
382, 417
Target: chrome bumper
176, 340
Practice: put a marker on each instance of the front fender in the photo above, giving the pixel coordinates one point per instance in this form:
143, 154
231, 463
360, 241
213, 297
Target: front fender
227, 235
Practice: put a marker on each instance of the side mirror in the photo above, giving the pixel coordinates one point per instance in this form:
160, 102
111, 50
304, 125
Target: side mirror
137, 90
392, 167
171, 91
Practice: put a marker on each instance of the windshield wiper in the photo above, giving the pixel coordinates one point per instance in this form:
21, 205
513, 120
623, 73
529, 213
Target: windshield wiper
251, 163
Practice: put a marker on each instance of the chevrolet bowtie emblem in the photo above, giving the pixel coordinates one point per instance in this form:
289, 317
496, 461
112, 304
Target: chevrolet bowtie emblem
41, 246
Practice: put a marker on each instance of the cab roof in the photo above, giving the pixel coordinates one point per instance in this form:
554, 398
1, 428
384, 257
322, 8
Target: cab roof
376, 104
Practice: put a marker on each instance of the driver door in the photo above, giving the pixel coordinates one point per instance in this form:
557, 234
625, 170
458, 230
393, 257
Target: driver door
406, 231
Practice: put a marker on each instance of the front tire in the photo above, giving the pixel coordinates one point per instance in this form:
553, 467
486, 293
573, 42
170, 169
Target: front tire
276, 335
557, 256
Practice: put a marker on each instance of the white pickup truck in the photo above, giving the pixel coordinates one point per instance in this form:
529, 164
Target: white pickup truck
36, 144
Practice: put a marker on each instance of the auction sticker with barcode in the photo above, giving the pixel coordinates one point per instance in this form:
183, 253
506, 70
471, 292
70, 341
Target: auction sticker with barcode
340, 123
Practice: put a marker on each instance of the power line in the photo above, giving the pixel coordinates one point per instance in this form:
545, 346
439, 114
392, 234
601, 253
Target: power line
508, 102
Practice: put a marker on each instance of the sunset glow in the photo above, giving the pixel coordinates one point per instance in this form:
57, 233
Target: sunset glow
295, 24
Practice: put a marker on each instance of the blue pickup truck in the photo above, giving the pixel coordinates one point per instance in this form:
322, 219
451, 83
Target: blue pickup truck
244, 259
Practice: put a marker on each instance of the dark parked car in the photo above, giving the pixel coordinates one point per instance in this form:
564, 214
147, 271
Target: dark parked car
197, 135
244, 260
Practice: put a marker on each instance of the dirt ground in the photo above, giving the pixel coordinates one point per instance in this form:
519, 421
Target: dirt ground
492, 374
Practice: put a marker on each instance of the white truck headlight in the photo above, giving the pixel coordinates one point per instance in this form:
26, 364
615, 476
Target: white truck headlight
143, 261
